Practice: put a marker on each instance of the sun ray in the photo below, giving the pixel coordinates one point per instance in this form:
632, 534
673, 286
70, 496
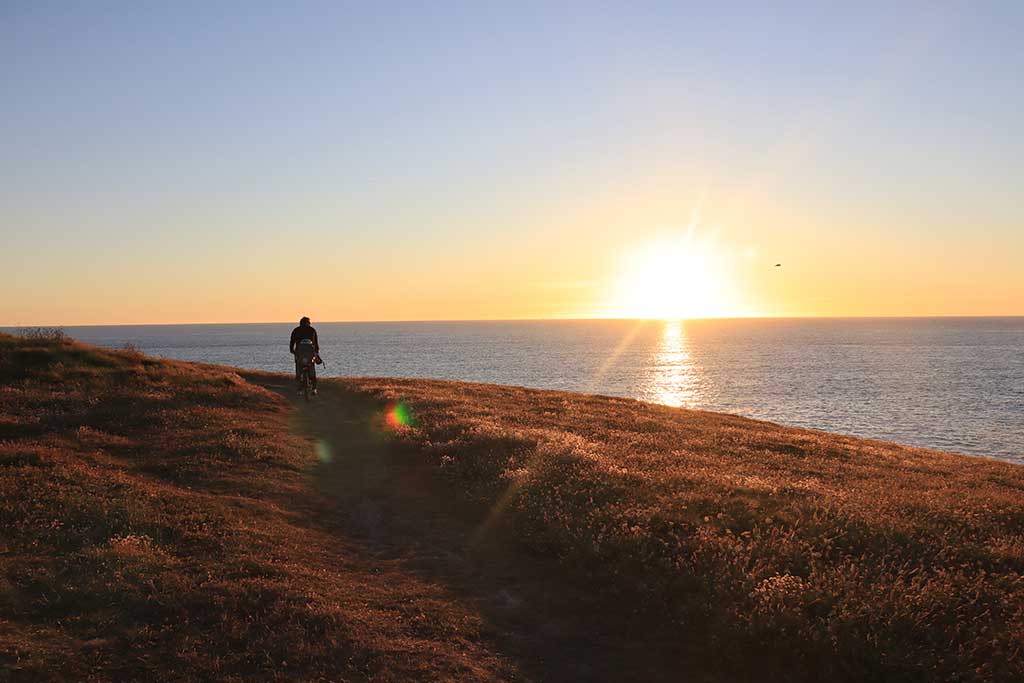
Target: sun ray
627, 339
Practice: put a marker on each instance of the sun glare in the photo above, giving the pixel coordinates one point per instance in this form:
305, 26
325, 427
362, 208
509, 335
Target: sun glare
674, 278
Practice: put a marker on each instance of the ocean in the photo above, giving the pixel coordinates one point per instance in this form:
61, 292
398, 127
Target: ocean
954, 384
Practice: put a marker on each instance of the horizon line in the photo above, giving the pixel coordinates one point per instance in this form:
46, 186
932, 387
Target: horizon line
524, 319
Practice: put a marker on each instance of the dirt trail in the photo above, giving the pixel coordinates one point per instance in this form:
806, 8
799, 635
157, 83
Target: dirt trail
397, 511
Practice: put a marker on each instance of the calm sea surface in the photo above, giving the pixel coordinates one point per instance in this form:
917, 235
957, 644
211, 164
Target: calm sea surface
951, 383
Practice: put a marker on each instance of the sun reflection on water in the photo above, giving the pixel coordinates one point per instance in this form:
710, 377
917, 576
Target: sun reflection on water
675, 377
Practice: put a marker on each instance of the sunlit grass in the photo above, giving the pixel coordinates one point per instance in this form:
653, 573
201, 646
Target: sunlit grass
157, 524
832, 557
148, 507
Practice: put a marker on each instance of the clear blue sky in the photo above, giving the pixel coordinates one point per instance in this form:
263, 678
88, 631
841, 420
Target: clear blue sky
159, 162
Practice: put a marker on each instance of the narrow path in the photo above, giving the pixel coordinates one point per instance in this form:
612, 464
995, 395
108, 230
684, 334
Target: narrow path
397, 510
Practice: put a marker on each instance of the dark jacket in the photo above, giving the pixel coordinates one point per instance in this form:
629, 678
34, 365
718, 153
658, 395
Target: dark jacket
303, 332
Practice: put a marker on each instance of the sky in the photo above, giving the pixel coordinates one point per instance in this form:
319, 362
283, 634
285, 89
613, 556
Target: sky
250, 161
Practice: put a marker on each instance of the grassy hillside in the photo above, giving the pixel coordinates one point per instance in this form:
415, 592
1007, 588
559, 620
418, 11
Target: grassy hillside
158, 524
802, 551
165, 518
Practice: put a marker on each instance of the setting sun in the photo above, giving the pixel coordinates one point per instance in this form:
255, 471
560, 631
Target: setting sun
674, 278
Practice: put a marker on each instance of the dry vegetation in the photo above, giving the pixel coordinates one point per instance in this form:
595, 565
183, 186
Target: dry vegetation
159, 519
158, 525
815, 554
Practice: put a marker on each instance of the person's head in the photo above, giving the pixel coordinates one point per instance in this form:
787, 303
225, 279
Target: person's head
304, 322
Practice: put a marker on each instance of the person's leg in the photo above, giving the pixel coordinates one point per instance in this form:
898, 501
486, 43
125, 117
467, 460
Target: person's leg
312, 374
298, 370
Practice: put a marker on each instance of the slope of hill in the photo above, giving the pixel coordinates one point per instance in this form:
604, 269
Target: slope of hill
165, 518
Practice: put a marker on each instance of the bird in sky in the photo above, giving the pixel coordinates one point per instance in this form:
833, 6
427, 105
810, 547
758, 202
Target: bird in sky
777, 265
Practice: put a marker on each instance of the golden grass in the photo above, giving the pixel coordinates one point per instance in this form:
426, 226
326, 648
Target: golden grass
825, 556
158, 524
160, 521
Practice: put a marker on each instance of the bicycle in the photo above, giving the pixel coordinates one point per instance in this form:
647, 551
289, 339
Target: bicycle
304, 377
307, 356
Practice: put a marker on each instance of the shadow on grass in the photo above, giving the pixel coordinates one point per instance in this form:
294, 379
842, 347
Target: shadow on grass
392, 503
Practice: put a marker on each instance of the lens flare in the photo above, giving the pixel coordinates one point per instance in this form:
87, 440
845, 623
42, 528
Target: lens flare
323, 452
398, 415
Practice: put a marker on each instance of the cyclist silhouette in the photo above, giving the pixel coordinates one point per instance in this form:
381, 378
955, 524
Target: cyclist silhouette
306, 349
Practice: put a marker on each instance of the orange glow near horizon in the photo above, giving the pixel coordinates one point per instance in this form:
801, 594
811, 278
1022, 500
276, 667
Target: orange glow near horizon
605, 262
